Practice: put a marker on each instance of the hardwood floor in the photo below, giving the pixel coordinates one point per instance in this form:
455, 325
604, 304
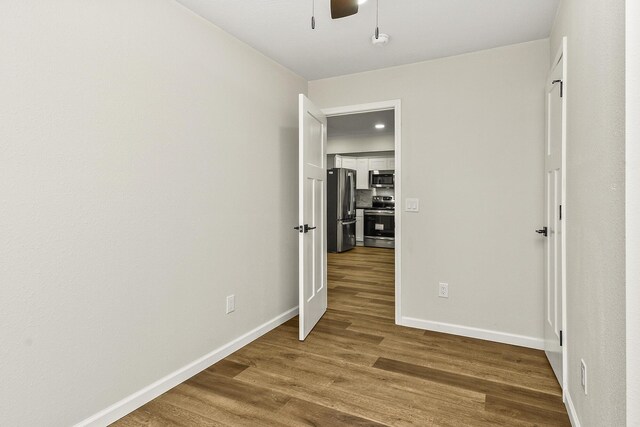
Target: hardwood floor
357, 368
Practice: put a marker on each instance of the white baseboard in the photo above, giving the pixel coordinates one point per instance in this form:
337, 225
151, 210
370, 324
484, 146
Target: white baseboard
467, 331
571, 410
150, 392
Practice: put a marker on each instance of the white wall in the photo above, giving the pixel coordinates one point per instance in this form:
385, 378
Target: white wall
472, 152
134, 142
632, 152
360, 143
595, 214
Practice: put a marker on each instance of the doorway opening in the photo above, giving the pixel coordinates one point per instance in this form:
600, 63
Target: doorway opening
363, 224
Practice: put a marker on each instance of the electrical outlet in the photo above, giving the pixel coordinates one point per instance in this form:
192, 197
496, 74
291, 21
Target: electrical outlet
583, 375
231, 303
443, 290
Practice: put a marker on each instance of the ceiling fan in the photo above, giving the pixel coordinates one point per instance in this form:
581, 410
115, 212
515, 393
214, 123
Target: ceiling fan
343, 8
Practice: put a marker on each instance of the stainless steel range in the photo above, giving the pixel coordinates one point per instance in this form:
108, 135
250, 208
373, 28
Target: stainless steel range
380, 223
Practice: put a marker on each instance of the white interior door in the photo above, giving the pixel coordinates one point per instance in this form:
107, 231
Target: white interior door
554, 241
312, 215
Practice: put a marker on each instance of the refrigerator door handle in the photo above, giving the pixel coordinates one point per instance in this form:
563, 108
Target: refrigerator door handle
351, 194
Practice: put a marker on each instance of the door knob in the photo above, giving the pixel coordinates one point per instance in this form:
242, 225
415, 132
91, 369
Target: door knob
543, 231
307, 228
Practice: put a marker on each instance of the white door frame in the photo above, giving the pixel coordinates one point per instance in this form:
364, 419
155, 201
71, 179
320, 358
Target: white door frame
394, 105
632, 197
562, 55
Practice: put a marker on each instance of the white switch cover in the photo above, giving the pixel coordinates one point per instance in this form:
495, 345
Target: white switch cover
412, 205
583, 375
231, 303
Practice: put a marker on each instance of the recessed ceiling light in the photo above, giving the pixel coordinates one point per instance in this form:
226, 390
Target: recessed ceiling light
380, 126
362, 1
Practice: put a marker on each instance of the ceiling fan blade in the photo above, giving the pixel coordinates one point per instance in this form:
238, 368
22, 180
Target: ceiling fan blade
342, 8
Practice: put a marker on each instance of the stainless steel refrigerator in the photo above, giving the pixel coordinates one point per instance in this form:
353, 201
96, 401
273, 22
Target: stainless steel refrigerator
341, 209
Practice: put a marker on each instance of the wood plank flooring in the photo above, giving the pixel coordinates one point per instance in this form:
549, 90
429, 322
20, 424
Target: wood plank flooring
357, 368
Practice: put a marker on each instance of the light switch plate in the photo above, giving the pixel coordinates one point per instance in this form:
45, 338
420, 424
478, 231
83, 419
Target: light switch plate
231, 304
583, 375
412, 205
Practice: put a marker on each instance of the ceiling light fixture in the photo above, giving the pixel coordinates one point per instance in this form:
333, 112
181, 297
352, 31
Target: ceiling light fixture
380, 126
381, 40
361, 2
378, 38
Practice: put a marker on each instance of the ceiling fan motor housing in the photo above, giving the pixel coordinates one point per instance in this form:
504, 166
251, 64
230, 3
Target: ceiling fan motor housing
343, 8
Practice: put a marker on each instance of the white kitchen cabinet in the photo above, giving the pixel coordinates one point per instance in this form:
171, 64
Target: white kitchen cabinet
359, 225
378, 163
362, 179
391, 163
345, 162
337, 161
350, 163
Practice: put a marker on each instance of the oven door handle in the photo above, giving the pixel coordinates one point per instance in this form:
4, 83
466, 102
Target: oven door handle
348, 222
374, 213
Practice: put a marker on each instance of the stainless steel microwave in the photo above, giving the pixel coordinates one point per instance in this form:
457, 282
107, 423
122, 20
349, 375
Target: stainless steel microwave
381, 179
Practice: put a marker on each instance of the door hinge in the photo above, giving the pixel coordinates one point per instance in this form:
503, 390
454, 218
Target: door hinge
561, 86
560, 338
560, 212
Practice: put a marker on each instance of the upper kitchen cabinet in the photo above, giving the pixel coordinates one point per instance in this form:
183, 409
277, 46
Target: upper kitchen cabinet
382, 163
363, 165
346, 162
377, 163
362, 178
391, 163
349, 163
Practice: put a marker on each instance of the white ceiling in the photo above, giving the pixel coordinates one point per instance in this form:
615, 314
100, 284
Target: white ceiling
419, 30
360, 124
